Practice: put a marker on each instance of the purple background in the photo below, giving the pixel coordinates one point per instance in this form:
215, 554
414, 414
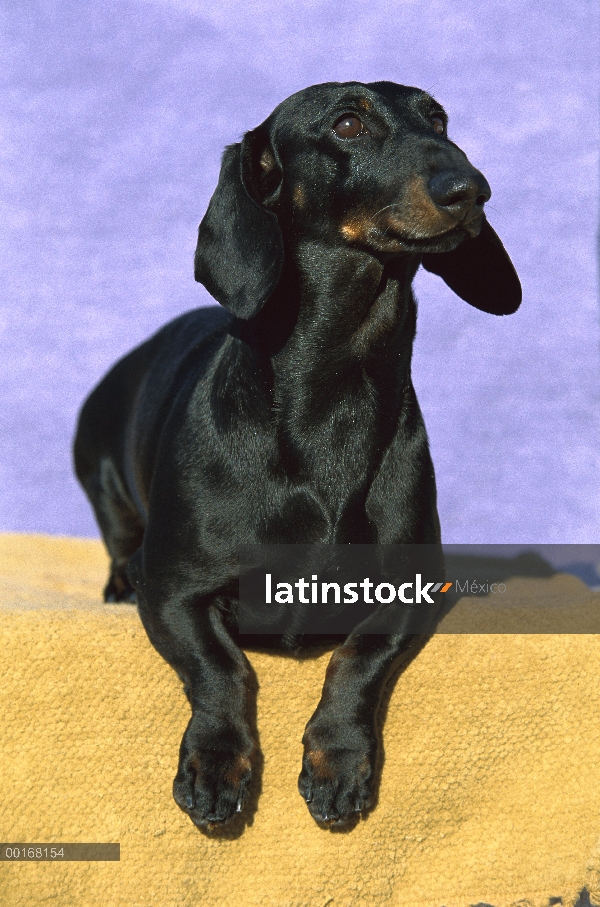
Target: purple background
114, 117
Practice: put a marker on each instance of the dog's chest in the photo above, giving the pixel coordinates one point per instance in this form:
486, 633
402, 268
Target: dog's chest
319, 482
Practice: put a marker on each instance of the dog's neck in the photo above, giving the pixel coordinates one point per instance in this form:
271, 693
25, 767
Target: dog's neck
355, 322
336, 337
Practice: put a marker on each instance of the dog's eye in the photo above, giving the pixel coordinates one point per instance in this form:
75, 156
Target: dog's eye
438, 125
349, 127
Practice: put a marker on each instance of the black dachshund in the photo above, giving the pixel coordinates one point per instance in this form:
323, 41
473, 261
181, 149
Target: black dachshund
289, 415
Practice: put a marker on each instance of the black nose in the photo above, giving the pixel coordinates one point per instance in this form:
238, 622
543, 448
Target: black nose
459, 191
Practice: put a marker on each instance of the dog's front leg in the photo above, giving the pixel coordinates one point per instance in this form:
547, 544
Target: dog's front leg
215, 757
341, 740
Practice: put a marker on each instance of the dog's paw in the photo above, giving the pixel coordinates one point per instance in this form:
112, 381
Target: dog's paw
337, 782
119, 589
211, 785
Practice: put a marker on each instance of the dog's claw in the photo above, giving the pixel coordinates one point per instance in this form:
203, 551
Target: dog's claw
189, 801
239, 806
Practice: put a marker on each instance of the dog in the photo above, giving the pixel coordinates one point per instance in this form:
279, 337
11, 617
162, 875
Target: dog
287, 415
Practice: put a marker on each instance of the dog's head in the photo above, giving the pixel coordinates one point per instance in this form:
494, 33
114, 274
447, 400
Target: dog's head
347, 164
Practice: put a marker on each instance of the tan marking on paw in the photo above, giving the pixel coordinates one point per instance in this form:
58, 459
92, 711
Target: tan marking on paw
364, 768
235, 773
318, 760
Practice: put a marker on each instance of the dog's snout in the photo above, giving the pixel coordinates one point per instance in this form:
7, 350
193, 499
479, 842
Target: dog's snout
459, 191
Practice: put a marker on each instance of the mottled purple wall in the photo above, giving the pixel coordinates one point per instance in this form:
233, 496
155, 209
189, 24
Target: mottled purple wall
114, 116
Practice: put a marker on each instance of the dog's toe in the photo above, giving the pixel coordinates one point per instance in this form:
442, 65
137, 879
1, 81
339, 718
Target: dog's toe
337, 785
119, 589
212, 787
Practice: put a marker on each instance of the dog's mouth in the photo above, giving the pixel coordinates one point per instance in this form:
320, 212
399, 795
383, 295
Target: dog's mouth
445, 241
439, 242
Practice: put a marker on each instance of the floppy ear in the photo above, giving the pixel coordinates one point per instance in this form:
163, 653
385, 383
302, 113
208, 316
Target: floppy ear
240, 247
480, 272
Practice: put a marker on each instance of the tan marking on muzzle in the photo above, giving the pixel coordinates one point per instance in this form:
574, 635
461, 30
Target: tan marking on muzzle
417, 216
355, 229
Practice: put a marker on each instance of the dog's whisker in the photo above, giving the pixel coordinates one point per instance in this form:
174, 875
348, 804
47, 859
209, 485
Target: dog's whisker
385, 208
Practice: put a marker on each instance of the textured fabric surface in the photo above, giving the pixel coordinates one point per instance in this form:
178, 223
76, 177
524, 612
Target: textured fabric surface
115, 114
490, 790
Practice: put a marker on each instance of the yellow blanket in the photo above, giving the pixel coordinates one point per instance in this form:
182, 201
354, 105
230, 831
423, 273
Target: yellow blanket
490, 790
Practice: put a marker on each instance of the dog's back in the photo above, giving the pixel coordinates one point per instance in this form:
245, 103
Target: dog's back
121, 423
